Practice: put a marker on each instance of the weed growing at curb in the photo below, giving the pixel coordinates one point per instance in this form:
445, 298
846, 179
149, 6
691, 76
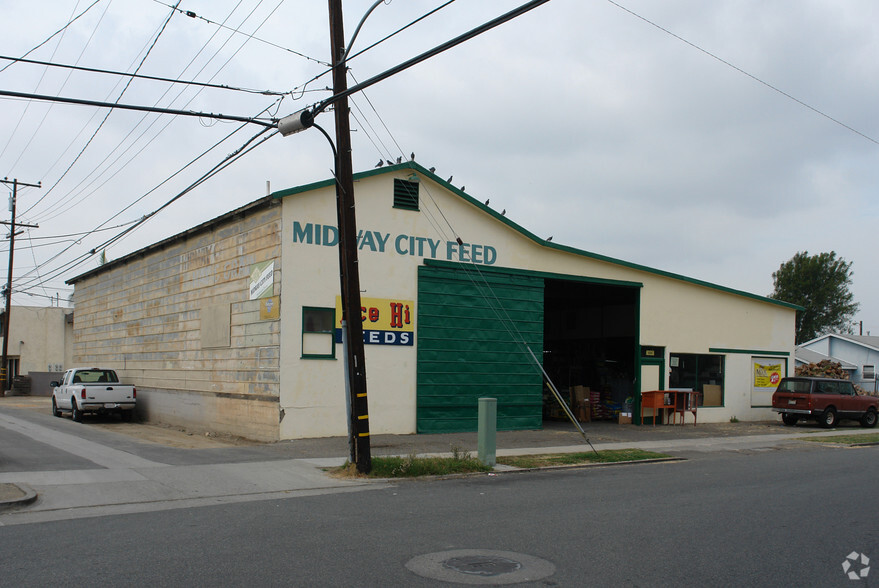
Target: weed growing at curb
461, 462
605, 456
412, 466
845, 439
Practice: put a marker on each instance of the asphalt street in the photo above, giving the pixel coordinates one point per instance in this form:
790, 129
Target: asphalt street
102, 466
788, 515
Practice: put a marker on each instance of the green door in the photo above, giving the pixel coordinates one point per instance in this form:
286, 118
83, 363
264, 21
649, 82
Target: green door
472, 330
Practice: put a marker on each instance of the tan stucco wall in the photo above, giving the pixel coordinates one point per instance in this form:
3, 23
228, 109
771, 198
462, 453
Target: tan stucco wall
37, 336
682, 316
147, 318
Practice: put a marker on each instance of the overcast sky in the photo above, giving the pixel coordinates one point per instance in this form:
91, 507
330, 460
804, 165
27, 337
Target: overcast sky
711, 139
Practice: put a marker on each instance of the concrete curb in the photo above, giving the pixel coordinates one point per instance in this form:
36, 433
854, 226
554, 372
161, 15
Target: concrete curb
505, 470
22, 495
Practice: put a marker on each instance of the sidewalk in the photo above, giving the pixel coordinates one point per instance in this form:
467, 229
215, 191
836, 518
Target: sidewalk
141, 467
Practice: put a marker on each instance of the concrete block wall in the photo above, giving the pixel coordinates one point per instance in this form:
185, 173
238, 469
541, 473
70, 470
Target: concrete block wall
146, 315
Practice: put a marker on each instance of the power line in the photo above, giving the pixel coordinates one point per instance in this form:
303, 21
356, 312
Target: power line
382, 40
741, 71
114, 105
193, 15
49, 38
27, 107
144, 77
104, 120
168, 123
153, 189
516, 12
228, 160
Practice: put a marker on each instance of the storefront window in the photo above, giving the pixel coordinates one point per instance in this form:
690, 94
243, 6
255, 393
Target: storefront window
702, 373
318, 338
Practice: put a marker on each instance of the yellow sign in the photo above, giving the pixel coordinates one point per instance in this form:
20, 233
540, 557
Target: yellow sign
270, 308
385, 321
767, 376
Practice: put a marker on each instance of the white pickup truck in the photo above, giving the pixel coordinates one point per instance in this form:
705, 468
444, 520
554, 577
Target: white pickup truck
92, 390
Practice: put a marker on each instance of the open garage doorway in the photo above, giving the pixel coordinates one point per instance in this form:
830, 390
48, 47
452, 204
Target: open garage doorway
590, 347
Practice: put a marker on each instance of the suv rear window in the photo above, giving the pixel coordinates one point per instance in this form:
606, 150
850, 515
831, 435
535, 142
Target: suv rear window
798, 386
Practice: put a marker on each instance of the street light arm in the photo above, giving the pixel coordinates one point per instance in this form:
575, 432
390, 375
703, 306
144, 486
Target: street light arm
357, 30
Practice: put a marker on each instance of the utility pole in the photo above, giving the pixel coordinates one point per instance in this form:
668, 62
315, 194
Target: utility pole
350, 274
4, 376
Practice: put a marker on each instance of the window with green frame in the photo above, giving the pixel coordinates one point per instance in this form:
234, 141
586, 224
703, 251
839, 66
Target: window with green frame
700, 372
318, 335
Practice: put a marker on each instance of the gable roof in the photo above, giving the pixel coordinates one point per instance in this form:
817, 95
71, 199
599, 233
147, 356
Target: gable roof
417, 168
867, 341
804, 355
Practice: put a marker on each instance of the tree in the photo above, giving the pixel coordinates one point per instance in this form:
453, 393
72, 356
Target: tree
820, 284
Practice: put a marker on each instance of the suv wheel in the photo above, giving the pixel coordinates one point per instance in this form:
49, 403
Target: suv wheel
869, 419
829, 419
789, 419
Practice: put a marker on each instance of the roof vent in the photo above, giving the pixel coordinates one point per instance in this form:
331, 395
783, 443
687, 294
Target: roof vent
405, 194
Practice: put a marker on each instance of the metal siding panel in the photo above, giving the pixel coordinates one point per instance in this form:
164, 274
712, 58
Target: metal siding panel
469, 328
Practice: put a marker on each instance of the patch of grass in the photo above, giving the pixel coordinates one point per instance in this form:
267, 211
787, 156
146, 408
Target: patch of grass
461, 462
412, 466
846, 439
556, 459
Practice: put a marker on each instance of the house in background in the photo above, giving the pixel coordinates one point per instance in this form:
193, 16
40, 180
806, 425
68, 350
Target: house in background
858, 355
40, 345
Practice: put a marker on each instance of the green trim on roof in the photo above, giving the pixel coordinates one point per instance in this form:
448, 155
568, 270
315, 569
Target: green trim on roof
417, 168
749, 351
476, 268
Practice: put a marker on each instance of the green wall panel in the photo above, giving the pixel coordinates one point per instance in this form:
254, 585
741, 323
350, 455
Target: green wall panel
471, 329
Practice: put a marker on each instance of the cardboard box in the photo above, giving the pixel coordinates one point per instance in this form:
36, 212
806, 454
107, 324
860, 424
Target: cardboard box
711, 395
625, 418
579, 395
584, 413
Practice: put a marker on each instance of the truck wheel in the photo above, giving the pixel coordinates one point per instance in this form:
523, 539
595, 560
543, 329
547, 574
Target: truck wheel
76, 413
126, 415
789, 419
829, 419
55, 411
869, 419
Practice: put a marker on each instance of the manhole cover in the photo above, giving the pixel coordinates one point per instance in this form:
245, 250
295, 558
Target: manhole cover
480, 566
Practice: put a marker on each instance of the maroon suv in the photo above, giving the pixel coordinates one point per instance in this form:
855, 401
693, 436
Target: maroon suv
824, 400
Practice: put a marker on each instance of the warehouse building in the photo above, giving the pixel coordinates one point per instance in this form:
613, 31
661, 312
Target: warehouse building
233, 326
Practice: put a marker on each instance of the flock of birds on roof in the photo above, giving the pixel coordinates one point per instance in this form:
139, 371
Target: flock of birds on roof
381, 162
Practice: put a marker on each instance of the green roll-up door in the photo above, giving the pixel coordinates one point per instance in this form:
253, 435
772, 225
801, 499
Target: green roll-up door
470, 328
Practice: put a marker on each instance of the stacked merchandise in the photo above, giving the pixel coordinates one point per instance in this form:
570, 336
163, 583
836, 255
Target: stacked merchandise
599, 408
612, 409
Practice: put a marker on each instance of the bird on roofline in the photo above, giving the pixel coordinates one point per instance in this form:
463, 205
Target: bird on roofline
412, 157
380, 163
